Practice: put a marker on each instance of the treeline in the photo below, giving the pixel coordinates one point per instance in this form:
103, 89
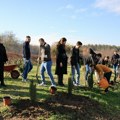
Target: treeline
98, 47
14, 45
11, 43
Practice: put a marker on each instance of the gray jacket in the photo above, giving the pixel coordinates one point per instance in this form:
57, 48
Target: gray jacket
45, 52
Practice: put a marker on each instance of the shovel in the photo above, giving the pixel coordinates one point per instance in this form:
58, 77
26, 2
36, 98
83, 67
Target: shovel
38, 64
37, 69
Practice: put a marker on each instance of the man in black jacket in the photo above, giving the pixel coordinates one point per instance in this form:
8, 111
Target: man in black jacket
26, 58
3, 59
75, 63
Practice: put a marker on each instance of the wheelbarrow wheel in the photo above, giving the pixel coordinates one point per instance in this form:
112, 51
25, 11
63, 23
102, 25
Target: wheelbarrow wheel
15, 74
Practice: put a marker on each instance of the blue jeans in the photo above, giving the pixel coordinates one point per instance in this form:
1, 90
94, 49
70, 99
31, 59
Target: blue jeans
76, 69
88, 70
115, 68
27, 67
46, 66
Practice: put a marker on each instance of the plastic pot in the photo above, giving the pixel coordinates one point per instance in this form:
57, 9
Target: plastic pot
6, 100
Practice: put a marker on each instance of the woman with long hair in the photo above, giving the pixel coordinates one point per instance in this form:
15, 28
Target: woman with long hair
61, 60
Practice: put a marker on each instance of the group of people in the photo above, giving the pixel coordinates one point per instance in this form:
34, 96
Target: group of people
46, 62
92, 62
101, 67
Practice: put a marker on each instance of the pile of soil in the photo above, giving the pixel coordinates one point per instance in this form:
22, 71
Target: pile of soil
77, 107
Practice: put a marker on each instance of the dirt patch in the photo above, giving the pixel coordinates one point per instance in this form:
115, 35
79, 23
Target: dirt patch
76, 107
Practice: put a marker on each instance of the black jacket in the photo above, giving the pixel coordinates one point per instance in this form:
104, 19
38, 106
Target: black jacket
75, 57
91, 60
115, 59
105, 62
88, 60
61, 57
26, 50
3, 55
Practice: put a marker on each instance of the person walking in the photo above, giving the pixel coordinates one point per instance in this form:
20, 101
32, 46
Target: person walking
26, 58
75, 63
45, 57
115, 62
61, 60
3, 59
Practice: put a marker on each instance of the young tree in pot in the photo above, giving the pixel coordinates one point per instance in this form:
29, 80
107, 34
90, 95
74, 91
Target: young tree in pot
32, 91
70, 85
90, 80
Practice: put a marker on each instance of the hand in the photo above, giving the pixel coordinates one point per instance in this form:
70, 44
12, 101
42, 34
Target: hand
73, 66
61, 64
38, 59
26, 61
45, 56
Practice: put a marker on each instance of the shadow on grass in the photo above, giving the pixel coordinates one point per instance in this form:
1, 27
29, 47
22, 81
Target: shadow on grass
110, 100
62, 106
19, 91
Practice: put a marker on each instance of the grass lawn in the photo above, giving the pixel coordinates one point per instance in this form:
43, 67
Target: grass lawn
16, 89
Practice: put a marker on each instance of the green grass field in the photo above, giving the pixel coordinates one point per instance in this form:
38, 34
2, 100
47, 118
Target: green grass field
17, 89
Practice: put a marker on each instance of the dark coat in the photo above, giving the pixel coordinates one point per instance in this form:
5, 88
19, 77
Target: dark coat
61, 57
88, 60
3, 55
115, 59
26, 50
3, 59
75, 57
105, 62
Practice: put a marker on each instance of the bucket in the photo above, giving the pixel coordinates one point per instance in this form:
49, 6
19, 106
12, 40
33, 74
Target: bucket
6, 100
103, 83
53, 90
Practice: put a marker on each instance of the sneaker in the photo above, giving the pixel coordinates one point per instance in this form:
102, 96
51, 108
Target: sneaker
24, 80
75, 84
79, 85
42, 84
53, 85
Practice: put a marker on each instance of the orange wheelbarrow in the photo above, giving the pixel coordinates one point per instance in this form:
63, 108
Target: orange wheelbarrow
11, 69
